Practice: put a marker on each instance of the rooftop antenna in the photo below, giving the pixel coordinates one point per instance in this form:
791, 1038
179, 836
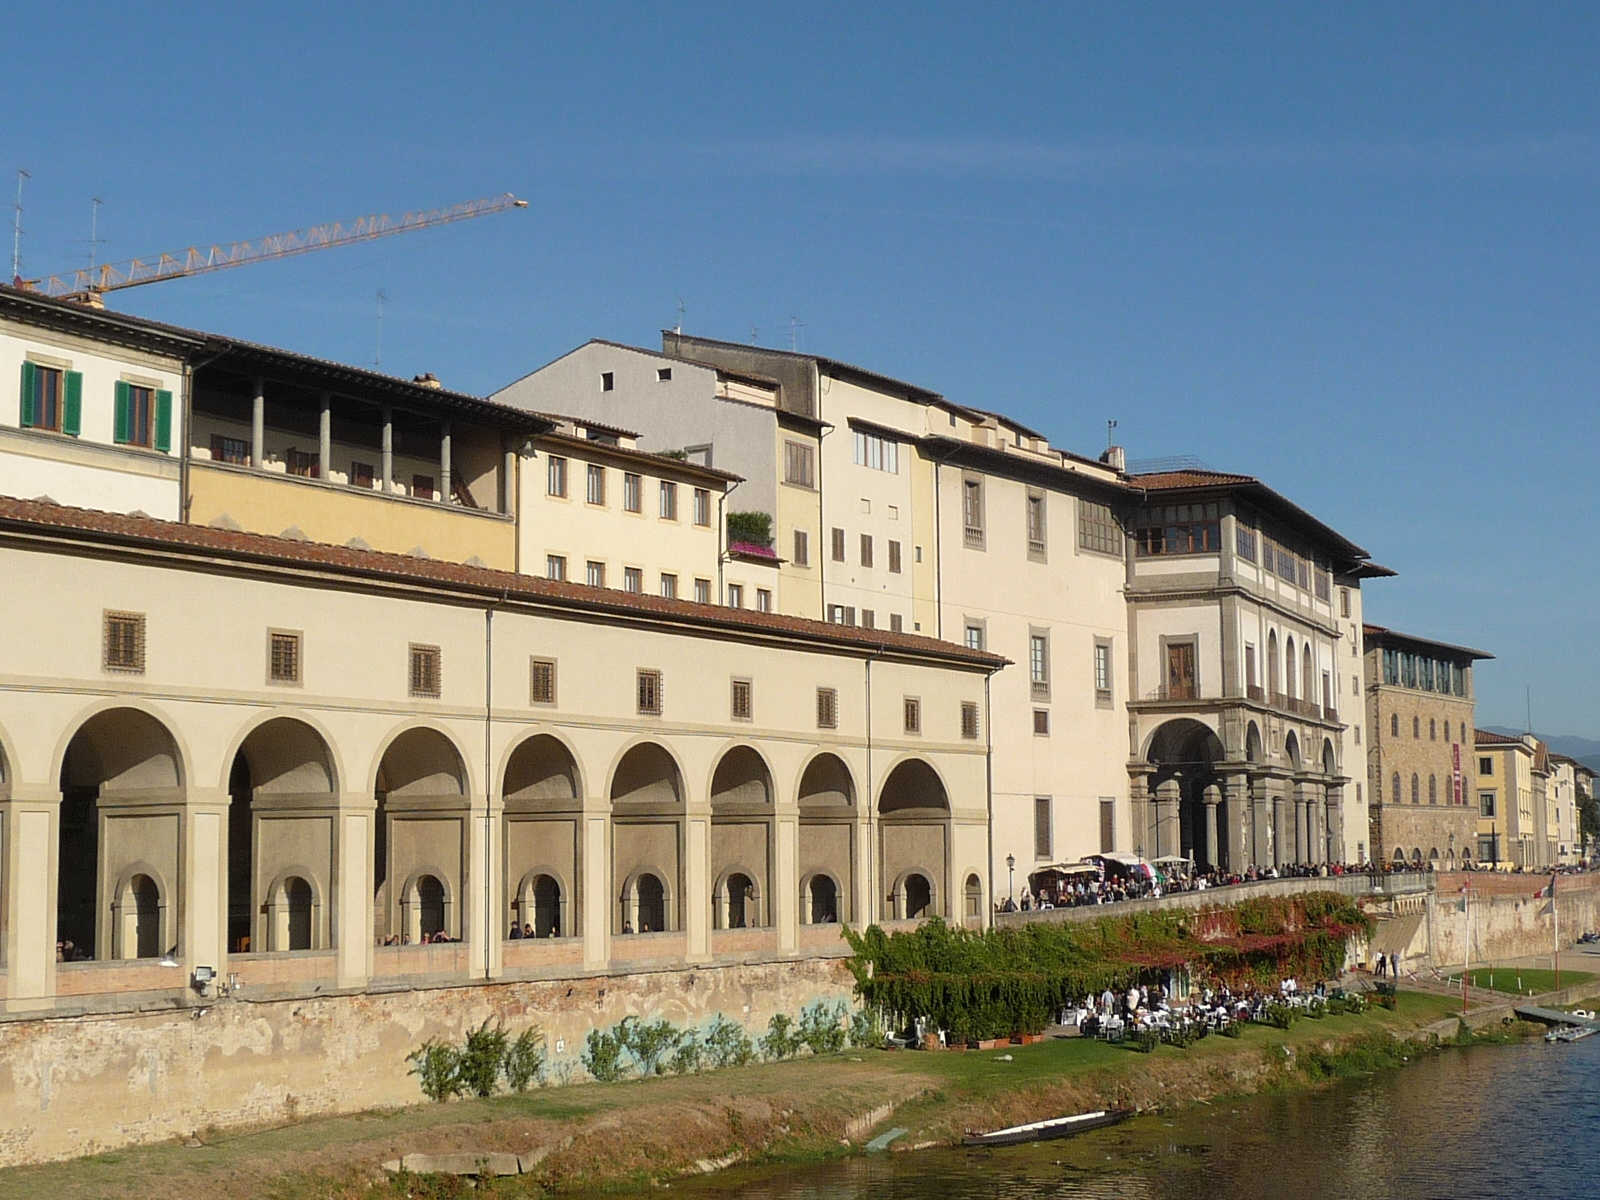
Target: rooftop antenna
681, 310
755, 335
377, 362
1111, 434
1530, 708
795, 326
94, 224
16, 236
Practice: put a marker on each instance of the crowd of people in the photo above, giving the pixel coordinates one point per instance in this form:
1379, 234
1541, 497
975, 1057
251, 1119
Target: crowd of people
428, 939
1073, 891
1115, 1016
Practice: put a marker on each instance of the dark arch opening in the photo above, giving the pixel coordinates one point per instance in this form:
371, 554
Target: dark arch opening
919, 895
297, 897
541, 769
647, 774
741, 780
420, 763
1186, 751
652, 901
913, 786
546, 907
430, 906
741, 891
974, 896
823, 901
827, 783
147, 917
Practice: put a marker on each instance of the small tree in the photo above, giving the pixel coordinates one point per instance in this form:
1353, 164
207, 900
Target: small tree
478, 1063
754, 528
524, 1059
437, 1066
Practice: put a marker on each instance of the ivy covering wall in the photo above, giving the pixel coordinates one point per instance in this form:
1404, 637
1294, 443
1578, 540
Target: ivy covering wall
1000, 982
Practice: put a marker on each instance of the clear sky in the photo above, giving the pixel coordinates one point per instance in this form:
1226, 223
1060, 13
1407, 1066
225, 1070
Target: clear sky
1353, 250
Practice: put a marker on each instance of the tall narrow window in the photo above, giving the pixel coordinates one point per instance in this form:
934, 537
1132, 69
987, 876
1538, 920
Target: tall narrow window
122, 647
597, 484
608, 381
137, 412
649, 693
52, 398
595, 574
632, 492
974, 635
869, 619
669, 500
283, 657
736, 595
1102, 671
669, 586
897, 623
763, 600
802, 548
555, 567
426, 671
1041, 722
1042, 841
799, 464
541, 681
555, 470
1180, 671
972, 511
739, 701
838, 545
827, 708
969, 719
913, 714
866, 549
1039, 665
632, 580
702, 506
702, 591
1251, 688
1036, 524
1108, 825
894, 558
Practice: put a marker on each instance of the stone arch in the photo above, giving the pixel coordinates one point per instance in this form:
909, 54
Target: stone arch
427, 908
542, 900
828, 834
1252, 743
281, 767
914, 836
1399, 855
820, 897
915, 895
541, 771
647, 904
421, 788
141, 913
973, 897
741, 838
1290, 688
543, 788
1330, 762
1308, 675
122, 776
1274, 682
647, 774
1291, 750
1183, 755
295, 911
742, 779
647, 806
736, 900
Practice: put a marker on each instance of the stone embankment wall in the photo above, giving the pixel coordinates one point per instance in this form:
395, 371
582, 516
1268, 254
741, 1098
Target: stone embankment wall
1508, 919
85, 1084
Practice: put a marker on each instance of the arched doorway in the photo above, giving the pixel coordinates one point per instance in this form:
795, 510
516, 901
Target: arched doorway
121, 802
827, 852
820, 900
543, 791
741, 838
1184, 755
647, 838
914, 840
280, 788
421, 836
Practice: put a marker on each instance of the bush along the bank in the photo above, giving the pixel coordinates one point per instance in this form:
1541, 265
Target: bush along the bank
486, 1058
635, 1048
1001, 982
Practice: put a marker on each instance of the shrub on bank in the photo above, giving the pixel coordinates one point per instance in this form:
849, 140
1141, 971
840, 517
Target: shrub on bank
487, 1056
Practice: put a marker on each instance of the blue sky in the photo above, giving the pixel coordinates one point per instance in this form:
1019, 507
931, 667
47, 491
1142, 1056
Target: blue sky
1350, 249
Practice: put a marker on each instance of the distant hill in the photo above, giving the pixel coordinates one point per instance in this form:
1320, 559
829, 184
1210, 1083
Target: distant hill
1585, 750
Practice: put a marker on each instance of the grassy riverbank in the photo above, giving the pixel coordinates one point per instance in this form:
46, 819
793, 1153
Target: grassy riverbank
638, 1132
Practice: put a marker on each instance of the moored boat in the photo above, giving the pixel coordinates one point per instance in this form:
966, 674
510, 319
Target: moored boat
1039, 1131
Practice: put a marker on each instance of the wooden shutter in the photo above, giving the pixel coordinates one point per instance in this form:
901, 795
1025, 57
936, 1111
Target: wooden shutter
29, 384
72, 409
120, 421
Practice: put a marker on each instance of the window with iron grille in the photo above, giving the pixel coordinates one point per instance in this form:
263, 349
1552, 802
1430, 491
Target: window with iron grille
1097, 529
969, 719
669, 500
827, 708
913, 708
1041, 827
541, 681
123, 648
632, 492
555, 477
596, 491
799, 464
1041, 722
283, 656
426, 672
649, 693
739, 700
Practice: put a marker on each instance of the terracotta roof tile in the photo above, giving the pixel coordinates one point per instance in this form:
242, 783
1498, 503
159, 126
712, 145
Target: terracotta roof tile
92, 525
1164, 480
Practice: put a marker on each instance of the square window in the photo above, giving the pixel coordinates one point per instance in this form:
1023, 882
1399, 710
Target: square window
632, 580
663, 374
913, 714
763, 600
304, 465
237, 452
1486, 766
1041, 722
426, 671
669, 586
541, 681
974, 635
632, 492
649, 693
739, 700
555, 567
841, 614
669, 500
969, 719
283, 657
827, 708
595, 574
123, 647
138, 408
362, 475
422, 487
1098, 529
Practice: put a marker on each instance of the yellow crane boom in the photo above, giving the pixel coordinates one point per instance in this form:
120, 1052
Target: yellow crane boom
87, 285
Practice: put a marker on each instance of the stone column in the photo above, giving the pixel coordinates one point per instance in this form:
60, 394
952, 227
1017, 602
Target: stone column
483, 889
1212, 797
1168, 793
1337, 852
444, 465
694, 904
258, 425
387, 458
325, 438
32, 830
1139, 832
1237, 838
783, 889
597, 892
865, 903
203, 851
1282, 831
508, 481
1299, 846
351, 921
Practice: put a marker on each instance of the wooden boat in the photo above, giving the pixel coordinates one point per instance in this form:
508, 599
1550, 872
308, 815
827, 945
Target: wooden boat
1040, 1131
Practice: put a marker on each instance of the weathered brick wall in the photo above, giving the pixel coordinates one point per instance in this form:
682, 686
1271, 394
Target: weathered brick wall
1508, 919
85, 1084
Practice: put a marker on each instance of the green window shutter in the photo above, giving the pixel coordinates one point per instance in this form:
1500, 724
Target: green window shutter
29, 383
72, 410
119, 423
164, 421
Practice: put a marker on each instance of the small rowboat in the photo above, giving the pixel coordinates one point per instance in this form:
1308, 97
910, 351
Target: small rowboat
1040, 1131
1571, 1033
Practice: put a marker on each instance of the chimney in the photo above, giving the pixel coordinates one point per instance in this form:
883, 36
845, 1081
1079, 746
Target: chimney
428, 381
1116, 458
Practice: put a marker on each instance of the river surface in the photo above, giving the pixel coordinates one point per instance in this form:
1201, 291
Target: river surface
1485, 1123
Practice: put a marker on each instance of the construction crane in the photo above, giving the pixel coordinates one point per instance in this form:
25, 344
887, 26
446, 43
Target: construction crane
87, 286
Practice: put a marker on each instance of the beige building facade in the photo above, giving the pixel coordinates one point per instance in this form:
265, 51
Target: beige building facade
1420, 747
1510, 784
366, 751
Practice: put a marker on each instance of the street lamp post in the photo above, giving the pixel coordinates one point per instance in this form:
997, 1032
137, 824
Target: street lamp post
1011, 872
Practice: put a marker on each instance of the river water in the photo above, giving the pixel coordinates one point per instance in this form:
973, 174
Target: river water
1485, 1123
